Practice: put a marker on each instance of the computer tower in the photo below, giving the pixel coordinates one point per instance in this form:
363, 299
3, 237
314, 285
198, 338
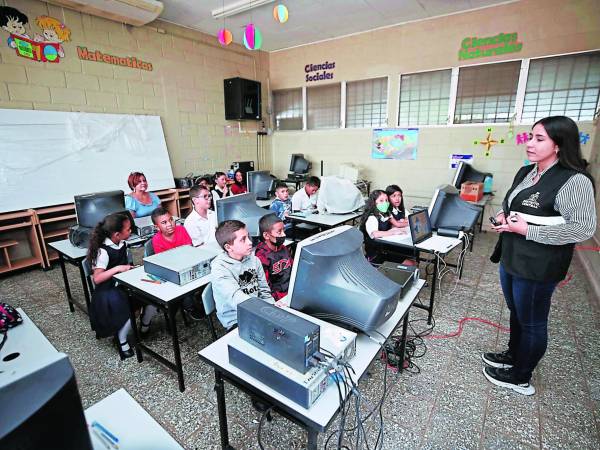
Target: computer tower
242, 99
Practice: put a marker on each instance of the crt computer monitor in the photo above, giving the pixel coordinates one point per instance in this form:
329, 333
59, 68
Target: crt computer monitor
260, 182
332, 280
41, 406
241, 207
448, 210
92, 208
465, 172
299, 165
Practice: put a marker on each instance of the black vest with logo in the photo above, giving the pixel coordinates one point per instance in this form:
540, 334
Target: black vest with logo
382, 225
529, 259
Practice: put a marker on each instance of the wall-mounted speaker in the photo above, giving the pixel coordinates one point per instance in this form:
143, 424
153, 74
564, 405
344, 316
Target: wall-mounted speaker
242, 99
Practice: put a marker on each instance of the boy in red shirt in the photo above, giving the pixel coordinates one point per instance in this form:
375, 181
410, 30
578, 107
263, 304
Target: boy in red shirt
169, 235
274, 255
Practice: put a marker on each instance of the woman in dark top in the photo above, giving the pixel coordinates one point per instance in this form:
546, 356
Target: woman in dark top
397, 211
375, 223
549, 207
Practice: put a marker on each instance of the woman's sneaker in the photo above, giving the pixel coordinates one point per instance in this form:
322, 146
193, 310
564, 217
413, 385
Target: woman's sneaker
504, 378
502, 360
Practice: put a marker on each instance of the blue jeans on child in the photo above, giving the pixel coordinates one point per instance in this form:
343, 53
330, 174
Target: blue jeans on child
529, 305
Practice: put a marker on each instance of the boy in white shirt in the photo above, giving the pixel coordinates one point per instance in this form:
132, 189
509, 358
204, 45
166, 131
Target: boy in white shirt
306, 198
201, 223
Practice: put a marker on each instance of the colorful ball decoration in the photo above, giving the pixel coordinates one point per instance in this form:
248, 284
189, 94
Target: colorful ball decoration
252, 37
225, 36
280, 13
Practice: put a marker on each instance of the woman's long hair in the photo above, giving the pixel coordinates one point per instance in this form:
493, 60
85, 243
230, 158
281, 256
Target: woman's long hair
564, 132
371, 206
113, 223
391, 189
236, 182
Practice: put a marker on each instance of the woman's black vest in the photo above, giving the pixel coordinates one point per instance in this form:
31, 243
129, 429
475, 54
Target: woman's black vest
399, 216
382, 225
116, 257
529, 259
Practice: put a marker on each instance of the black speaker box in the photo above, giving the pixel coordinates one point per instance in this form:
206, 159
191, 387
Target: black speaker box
242, 99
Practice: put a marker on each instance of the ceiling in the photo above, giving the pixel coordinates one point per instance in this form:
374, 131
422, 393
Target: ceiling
312, 20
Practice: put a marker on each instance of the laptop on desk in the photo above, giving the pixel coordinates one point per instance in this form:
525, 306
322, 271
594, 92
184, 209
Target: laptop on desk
422, 236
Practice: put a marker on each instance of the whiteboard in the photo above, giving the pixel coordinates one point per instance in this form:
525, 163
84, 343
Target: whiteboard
47, 157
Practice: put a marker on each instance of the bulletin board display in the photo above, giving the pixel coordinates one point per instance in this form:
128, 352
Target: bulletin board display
47, 157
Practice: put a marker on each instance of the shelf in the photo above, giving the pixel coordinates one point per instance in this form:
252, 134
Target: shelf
56, 233
55, 209
20, 264
58, 219
15, 226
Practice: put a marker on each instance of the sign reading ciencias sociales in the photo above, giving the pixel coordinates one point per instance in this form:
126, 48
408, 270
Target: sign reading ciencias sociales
319, 72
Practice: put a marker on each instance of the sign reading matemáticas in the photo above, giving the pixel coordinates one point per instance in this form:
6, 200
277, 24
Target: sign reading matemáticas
475, 47
124, 61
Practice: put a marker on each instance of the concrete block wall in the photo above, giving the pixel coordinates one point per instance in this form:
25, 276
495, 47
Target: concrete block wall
185, 87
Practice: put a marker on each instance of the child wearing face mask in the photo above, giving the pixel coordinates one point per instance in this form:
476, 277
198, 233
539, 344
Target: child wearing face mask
274, 255
375, 222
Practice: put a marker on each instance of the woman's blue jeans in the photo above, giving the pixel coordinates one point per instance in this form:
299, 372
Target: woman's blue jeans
529, 305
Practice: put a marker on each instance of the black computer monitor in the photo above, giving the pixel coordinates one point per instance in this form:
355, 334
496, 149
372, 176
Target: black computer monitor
261, 182
448, 210
92, 208
299, 165
332, 280
241, 207
465, 172
42, 407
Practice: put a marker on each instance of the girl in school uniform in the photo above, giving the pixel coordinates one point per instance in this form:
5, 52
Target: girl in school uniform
107, 254
375, 222
220, 190
397, 211
140, 202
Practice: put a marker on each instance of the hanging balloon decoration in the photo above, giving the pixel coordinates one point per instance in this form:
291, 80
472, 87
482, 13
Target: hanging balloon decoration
280, 13
225, 37
252, 37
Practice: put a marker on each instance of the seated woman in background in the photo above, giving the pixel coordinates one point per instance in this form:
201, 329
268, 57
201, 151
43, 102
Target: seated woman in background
239, 183
140, 202
220, 188
397, 211
375, 222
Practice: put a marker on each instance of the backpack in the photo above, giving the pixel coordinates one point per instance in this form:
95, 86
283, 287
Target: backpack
9, 318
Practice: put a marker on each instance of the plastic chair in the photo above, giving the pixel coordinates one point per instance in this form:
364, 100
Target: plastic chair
148, 248
208, 302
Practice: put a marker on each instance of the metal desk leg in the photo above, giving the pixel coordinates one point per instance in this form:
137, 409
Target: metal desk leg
61, 261
312, 439
136, 337
461, 259
220, 390
432, 295
176, 351
403, 342
86, 292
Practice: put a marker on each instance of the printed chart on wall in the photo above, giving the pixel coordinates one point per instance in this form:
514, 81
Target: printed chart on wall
395, 143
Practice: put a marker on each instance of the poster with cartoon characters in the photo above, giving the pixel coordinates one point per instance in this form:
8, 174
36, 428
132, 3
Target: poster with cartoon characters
44, 47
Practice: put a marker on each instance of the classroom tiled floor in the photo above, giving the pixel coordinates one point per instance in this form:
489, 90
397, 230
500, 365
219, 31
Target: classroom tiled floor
448, 404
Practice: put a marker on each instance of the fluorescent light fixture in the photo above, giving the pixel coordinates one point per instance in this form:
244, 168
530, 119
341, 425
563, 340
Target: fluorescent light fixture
238, 7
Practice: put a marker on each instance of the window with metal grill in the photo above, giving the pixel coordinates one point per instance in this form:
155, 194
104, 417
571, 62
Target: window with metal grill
487, 93
424, 98
562, 85
323, 104
366, 103
287, 105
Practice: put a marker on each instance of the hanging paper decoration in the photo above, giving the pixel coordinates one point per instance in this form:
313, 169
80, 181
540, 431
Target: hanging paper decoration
280, 13
252, 37
225, 36
489, 142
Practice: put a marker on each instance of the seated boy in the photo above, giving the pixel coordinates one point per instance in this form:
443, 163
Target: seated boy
306, 198
237, 274
201, 222
274, 256
170, 236
282, 205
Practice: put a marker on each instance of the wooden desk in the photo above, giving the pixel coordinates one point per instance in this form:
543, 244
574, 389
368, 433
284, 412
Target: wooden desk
321, 414
130, 423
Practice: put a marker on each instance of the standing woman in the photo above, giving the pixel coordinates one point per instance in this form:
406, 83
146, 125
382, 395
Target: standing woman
140, 202
239, 184
548, 209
